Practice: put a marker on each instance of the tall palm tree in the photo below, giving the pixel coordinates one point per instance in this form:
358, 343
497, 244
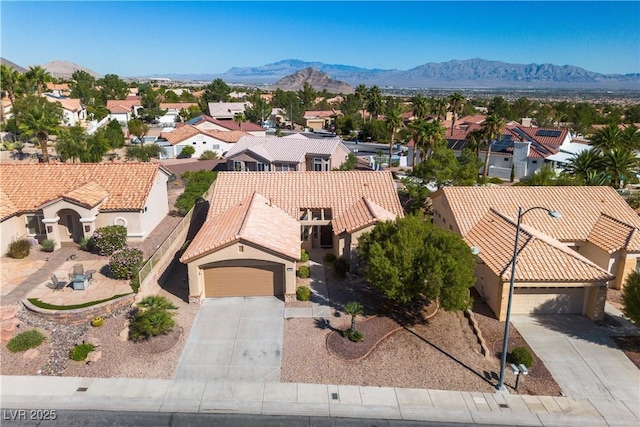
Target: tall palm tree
38, 77
361, 96
620, 163
374, 102
9, 81
455, 105
239, 118
40, 120
426, 135
474, 140
585, 162
491, 128
393, 122
607, 138
631, 137
439, 107
420, 107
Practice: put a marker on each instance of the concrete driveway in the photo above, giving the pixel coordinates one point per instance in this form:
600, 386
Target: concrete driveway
581, 357
235, 339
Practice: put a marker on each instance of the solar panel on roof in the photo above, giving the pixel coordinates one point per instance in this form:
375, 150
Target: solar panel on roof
547, 132
194, 121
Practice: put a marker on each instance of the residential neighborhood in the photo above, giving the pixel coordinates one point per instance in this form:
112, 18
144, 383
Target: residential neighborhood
285, 252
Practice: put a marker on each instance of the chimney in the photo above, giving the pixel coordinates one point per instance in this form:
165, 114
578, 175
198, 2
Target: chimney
449, 116
526, 122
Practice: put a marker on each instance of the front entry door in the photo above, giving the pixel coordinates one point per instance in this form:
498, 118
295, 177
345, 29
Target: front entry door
326, 236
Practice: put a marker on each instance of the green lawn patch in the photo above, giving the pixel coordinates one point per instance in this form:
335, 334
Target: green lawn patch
44, 305
25, 341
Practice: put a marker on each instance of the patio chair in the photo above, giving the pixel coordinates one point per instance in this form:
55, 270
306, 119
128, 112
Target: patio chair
78, 270
57, 284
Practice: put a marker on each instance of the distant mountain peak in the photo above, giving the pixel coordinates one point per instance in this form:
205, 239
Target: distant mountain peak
64, 69
315, 78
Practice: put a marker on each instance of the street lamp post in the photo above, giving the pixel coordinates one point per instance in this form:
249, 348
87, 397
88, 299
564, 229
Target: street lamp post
505, 339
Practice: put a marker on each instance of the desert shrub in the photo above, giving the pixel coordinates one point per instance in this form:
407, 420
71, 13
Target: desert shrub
197, 183
19, 248
520, 355
48, 245
208, 155
329, 257
303, 272
135, 283
157, 301
79, 352
109, 239
125, 263
340, 267
97, 321
187, 151
25, 341
304, 256
150, 323
303, 293
631, 297
87, 244
355, 336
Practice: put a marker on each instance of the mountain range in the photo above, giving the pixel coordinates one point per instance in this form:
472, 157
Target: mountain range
470, 73
315, 78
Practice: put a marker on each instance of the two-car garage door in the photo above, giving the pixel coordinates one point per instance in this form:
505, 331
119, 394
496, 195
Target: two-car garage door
548, 300
244, 278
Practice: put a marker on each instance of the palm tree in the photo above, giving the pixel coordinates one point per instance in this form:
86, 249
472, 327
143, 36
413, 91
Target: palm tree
455, 105
393, 122
426, 135
439, 107
38, 78
584, 163
374, 102
607, 138
620, 163
491, 128
420, 107
9, 80
239, 118
361, 96
353, 309
40, 120
631, 138
474, 139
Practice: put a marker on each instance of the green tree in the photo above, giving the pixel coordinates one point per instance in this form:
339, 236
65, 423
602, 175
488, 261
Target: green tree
150, 99
412, 258
143, 153
349, 164
239, 118
38, 118
115, 135
197, 183
521, 108
171, 96
37, 78
455, 105
439, 107
374, 102
307, 95
393, 121
607, 138
138, 129
468, 166
361, 98
216, 91
439, 168
415, 194
631, 297
499, 107
420, 107
259, 109
353, 309
491, 128
583, 163
630, 138
71, 143
83, 87
112, 87
620, 164
97, 147
10, 79
545, 176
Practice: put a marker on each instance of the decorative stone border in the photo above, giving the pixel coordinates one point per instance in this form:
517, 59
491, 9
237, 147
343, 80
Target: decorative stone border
78, 316
478, 333
371, 348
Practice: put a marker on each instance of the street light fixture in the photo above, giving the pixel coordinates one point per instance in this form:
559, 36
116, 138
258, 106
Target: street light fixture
505, 340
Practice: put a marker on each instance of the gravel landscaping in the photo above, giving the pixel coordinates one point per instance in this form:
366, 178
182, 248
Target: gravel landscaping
440, 353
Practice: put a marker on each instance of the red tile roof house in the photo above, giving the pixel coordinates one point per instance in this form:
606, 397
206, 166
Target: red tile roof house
123, 110
565, 264
73, 112
67, 202
205, 122
272, 153
258, 222
200, 139
172, 111
321, 119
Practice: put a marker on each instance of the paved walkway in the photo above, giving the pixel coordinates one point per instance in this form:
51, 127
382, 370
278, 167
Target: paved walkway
320, 304
128, 394
237, 339
581, 356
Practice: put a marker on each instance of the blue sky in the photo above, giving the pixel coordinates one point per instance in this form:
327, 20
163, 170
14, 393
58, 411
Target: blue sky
141, 38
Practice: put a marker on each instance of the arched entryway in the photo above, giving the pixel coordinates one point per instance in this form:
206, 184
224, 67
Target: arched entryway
69, 226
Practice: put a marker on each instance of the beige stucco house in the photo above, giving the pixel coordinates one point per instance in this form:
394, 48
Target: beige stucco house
68, 202
565, 264
257, 224
271, 153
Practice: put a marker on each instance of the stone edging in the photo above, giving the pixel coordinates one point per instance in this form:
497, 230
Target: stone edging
478, 333
78, 316
373, 347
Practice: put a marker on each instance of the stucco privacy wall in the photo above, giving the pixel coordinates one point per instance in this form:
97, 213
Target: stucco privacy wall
233, 252
9, 229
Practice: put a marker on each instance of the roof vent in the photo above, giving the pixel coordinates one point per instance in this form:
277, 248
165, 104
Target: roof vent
367, 184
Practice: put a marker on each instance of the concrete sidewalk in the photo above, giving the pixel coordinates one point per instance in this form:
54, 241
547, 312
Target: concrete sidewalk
125, 394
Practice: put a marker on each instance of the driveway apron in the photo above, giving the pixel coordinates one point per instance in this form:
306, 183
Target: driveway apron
581, 356
235, 339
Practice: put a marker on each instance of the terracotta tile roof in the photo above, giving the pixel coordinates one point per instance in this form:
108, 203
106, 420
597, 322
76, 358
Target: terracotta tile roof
361, 214
275, 149
29, 186
7, 207
187, 131
89, 194
226, 109
122, 105
581, 209
292, 191
473, 119
253, 220
540, 257
227, 124
71, 104
321, 114
611, 235
177, 105
57, 86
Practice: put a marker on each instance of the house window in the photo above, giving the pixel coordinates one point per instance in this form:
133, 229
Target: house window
320, 164
260, 167
535, 162
240, 248
216, 146
638, 265
194, 143
238, 166
505, 159
35, 225
284, 167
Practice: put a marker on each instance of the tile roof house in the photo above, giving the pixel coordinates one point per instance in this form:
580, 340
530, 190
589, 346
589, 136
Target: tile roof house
68, 201
258, 222
172, 111
200, 139
72, 110
209, 123
123, 110
272, 153
321, 119
564, 265
226, 110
